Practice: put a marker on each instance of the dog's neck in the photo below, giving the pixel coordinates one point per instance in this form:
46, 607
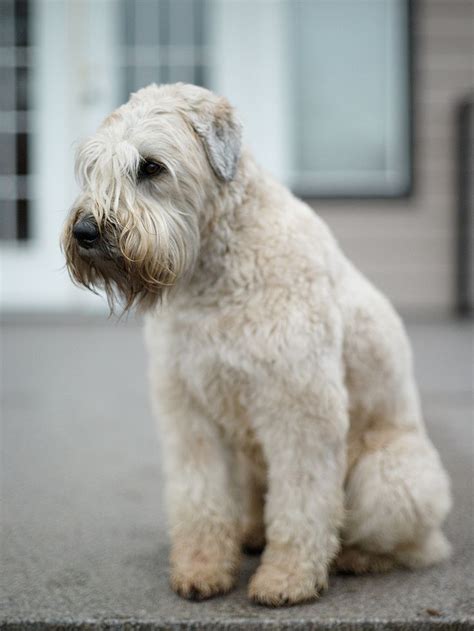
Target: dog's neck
230, 227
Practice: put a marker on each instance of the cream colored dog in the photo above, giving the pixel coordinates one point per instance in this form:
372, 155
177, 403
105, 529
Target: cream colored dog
282, 379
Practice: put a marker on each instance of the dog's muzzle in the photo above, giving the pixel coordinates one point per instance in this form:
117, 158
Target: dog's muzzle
86, 233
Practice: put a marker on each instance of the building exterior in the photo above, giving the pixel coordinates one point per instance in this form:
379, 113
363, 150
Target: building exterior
68, 63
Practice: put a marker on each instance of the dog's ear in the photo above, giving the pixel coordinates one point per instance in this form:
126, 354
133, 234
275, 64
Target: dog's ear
221, 133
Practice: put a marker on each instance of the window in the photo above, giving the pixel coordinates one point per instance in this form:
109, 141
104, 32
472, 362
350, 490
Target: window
14, 140
323, 87
350, 87
164, 42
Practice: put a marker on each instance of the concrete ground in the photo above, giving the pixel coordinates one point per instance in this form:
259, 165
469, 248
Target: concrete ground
84, 540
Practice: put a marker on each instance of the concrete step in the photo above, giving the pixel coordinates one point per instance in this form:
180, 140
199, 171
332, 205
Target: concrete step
84, 541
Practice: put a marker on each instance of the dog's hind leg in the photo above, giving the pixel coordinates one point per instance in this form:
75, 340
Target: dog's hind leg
396, 496
252, 498
353, 560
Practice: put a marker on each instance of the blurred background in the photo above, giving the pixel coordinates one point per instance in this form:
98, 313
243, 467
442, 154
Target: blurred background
363, 107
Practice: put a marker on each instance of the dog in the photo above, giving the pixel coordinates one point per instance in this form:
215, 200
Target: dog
281, 378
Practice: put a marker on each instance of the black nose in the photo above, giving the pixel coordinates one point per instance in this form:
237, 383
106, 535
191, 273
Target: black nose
86, 232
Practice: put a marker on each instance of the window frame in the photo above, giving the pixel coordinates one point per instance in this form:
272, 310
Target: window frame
409, 190
15, 123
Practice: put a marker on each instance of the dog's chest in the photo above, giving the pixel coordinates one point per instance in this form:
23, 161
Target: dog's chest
212, 366
228, 408
223, 393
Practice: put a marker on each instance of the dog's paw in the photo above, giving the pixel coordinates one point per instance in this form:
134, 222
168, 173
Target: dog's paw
355, 561
276, 586
204, 564
202, 581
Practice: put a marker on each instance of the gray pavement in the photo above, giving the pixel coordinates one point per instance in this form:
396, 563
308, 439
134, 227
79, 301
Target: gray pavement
84, 541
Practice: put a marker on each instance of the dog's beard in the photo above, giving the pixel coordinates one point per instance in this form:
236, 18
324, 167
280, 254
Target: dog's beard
149, 239
141, 257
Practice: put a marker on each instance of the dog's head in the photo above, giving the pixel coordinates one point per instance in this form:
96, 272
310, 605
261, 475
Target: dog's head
147, 178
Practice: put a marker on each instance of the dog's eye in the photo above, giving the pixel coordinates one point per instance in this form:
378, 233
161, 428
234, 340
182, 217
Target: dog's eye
149, 168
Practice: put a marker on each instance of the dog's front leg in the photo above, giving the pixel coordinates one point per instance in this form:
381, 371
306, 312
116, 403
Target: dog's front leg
304, 445
202, 511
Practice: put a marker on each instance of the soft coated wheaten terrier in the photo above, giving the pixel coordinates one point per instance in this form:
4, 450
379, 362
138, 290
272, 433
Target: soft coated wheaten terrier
282, 379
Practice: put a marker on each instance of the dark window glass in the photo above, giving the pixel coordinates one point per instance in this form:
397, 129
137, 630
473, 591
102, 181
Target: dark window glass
22, 154
21, 22
22, 89
22, 217
14, 141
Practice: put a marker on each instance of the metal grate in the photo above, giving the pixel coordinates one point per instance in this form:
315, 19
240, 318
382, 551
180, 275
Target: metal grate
14, 133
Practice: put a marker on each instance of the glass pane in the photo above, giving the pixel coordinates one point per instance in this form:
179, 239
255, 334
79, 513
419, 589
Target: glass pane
8, 219
7, 154
350, 87
7, 93
14, 139
7, 30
